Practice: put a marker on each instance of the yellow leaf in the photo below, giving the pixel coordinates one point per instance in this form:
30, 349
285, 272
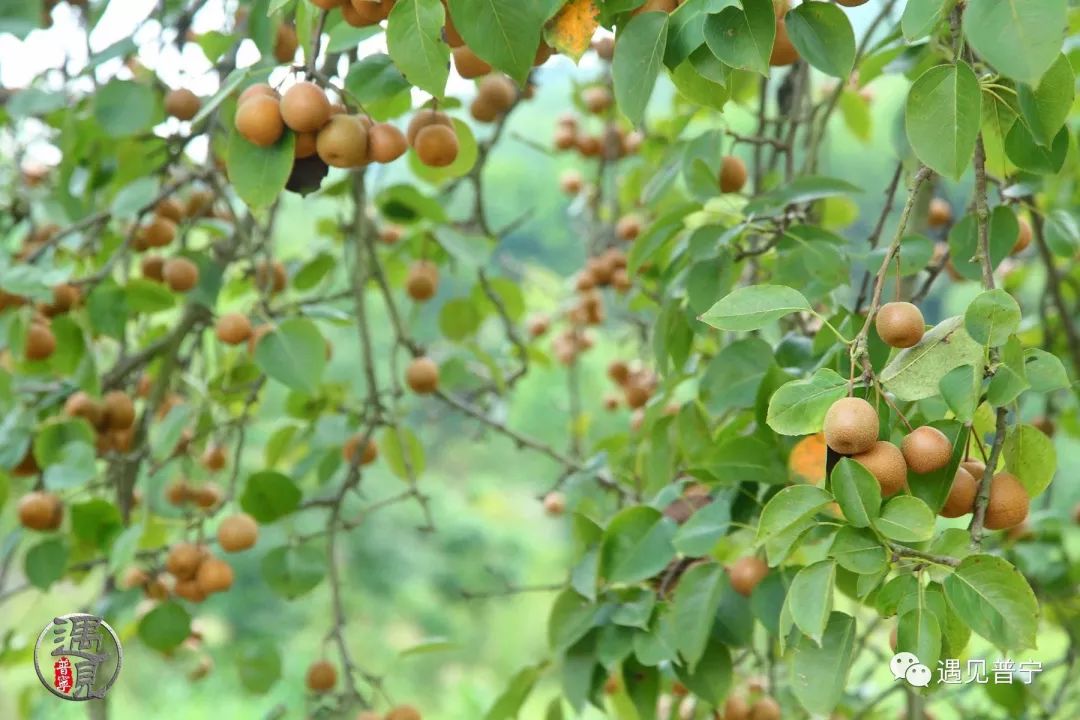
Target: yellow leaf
807, 459
571, 30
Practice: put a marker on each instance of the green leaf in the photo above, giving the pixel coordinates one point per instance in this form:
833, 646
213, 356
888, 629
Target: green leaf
459, 318
293, 570
133, 197
1046, 105
406, 204
995, 600
697, 598
857, 492
810, 598
1021, 38
943, 116
639, 55
906, 518
789, 506
270, 496
963, 241
166, 626
258, 174
375, 81
1009, 379
819, 672
76, 467
294, 354
743, 38
754, 306
919, 632
397, 442
804, 189
798, 407
508, 705
857, 117
636, 545
258, 663
914, 373
1023, 150
960, 389
45, 562
992, 317
858, 550
124, 548
1044, 371
414, 39
698, 535
921, 17
123, 107
504, 33
147, 296
571, 617
734, 374
1030, 456
96, 522
820, 31
711, 678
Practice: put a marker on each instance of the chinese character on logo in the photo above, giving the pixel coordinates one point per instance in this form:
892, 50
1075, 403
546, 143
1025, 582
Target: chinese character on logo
86, 658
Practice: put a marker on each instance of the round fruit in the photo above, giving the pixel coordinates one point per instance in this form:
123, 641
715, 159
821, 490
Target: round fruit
257, 90
1023, 237
597, 99
926, 449
851, 426
571, 182
213, 458
207, 496
271, 277
436, 146
182, 104
783, 52
619, 372
119, 410
371, 11
404, 712
233, 328
1008, 502
497, 91
159, 232
190, 590
321, 676
214, 575
961, 498
732, 174
940, 213
746, 573
180, 274
40, 511
628, 227
171, 209
554, 503
306, 145
886, 463
664, 6
423, 119
134, 577
423, 281
386, 143
285, 43
40, 341
977, 468
736, 708
343, 142
177, 493
258, 120
352, 445
80, 404
237, 532
604, 47
184, 559
900, 324
305, 107
468, 64
765, 709
422, 375
636, 395
152, 267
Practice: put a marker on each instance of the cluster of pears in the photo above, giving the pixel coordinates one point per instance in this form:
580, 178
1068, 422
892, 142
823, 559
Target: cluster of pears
322, 676
193, 572
112, 418
738, 706
637, 384
207, 496
495, 95
612, 144
160, 229
939, 215
322, 129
